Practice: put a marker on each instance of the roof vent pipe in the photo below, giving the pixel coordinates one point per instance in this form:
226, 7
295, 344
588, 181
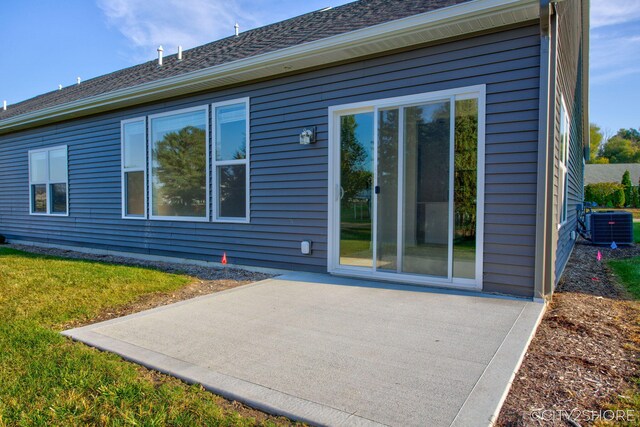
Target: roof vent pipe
179, 53
78, 79
237, 28
4, 105
160, 50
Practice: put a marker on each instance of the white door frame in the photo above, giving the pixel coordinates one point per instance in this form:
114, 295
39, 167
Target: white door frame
333, 261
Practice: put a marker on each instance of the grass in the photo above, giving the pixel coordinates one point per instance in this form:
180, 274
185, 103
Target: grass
628, 273
46, 379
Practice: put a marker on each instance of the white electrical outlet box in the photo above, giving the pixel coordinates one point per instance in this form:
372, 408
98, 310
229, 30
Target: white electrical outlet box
305, 247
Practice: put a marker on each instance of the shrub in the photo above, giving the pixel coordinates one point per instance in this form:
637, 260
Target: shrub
609, 194
628, 187
635, 197
619, 198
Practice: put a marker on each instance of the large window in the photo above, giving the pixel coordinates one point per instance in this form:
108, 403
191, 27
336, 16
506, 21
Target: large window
179, 165
134, 168
563, 180
166, 156
48, 183
231, 160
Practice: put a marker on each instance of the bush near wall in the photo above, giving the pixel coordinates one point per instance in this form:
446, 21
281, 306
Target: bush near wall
605, 194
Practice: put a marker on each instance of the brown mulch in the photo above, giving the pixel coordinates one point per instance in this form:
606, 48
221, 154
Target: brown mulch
585, 352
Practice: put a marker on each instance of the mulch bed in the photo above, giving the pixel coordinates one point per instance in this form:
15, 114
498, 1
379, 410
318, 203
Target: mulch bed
585, 352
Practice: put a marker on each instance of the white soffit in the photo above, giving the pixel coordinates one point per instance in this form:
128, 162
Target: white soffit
454, 21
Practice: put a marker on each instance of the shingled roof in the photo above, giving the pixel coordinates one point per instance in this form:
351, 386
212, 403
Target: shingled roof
613, 172
291, 32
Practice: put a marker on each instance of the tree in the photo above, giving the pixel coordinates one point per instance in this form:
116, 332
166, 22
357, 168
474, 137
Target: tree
595, 142
465, 171
630, 134
618, 198
605, 194
635, 197
355, 175
620, 150
600, 161
628, 187
180, 168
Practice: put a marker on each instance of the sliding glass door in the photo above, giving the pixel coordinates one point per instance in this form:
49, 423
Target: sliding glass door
407, 189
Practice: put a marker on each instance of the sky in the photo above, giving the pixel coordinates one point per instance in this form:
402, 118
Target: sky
45, 43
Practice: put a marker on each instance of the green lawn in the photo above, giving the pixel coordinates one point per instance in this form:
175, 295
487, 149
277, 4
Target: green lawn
46, 379
628, 271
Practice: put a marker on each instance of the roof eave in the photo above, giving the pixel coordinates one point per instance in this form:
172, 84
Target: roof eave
464, 18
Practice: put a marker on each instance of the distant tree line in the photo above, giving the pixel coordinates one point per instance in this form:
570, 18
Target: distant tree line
613, 194
623, 147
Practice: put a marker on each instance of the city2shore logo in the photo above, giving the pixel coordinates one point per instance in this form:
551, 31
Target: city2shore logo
583, 415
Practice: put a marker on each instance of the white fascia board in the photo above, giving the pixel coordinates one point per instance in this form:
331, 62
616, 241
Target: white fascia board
464, 18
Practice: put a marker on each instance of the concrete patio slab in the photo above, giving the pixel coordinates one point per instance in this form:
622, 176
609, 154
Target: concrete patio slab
336, 351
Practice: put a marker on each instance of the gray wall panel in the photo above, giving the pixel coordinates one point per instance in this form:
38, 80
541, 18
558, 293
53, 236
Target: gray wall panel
569, 82
289, 181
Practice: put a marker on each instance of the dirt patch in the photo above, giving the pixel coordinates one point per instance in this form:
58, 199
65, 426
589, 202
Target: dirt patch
584, 354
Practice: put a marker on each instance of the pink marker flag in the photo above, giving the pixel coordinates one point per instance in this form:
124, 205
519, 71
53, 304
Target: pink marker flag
599, 256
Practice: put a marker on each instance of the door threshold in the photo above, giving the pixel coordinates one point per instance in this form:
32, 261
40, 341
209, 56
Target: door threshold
406, 280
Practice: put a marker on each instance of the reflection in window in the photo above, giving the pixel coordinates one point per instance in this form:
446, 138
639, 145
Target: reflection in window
179, 165
134, 167
356, 180
48, 181
39, 198
231, 160
387, 221
427, 132
465, 188
134, 190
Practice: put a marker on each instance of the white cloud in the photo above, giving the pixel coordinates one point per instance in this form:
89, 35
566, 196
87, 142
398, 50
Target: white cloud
189, 23
611, 12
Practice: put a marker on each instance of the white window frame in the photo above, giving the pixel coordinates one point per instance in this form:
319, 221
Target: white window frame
47, 182
150, 118
333, 264
246, 161
125, 169
563, 161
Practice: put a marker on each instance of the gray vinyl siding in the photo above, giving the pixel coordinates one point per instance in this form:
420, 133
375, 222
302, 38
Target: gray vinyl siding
569, 85
289, 181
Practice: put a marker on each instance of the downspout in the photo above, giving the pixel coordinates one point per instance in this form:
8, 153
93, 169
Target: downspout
544, 265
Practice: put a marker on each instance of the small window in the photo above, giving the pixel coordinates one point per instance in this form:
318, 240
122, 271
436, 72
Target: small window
563, 176
134, 168
48, 181
231, 160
